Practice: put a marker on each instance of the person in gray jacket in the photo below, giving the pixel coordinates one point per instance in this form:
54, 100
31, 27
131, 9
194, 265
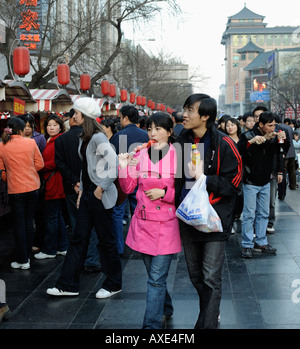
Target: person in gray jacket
97, 197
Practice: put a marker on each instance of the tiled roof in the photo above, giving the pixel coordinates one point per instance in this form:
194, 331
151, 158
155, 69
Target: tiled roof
250, 47
245, 13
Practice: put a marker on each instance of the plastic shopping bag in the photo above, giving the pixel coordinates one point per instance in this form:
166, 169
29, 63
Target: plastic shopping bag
197, 211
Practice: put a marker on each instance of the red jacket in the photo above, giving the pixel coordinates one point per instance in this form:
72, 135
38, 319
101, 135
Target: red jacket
54, 186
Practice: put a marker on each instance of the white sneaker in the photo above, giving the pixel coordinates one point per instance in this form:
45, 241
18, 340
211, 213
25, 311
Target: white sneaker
42, 255
270, 229
102, 293
56, 292
61, 253
22, 266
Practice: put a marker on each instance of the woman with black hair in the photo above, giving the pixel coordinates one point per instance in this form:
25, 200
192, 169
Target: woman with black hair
29, 131
109, 127
97, 197
154, 228
20, 161
56, 237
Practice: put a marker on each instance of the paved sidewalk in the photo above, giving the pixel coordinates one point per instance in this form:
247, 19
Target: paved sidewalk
260, 293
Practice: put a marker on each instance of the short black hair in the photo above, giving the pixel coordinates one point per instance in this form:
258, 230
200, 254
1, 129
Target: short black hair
57, 119
28, 118
208, 106
247, 115
266, 117
260, 107
131, 112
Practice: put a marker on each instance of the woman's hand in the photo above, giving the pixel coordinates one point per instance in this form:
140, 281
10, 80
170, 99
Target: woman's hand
126, 159
155, 194
98, 193
78, 199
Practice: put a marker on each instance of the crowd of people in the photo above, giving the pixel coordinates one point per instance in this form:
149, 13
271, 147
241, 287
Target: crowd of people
89, 177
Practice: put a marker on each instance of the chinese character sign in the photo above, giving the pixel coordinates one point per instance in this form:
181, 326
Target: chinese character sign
19, 106
30, 24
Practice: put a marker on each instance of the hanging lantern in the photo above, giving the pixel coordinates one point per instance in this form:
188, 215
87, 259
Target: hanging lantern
163, 107
124, 96
21, 61
169, 110
149, 104
132, 98
112, 92
105, 87
158, 107
85, 82
139, 100
63, 74
153, 106
143, 101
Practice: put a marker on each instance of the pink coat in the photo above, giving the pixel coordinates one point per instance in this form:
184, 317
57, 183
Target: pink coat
154, 228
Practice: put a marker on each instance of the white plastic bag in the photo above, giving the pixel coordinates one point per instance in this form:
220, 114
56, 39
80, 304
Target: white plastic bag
197, 211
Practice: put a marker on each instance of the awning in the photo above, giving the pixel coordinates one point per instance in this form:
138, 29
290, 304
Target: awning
15, 88
4, 116
45, 98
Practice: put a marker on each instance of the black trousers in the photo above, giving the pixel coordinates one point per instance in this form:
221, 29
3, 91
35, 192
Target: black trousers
205, 266
91, 213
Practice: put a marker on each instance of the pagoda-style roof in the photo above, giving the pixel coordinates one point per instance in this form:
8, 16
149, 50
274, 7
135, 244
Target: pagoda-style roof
260, 62
245, 13
250, 47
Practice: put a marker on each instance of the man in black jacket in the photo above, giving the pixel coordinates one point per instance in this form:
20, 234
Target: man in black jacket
258, 148
205, 252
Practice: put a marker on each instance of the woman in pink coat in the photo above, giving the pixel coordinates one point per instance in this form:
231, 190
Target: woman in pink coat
154, 228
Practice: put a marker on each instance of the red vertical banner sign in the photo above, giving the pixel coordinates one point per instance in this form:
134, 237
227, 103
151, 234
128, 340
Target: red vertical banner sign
19, 106
30, 27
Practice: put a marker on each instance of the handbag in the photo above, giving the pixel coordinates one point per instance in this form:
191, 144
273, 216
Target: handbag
42, 189
197, 211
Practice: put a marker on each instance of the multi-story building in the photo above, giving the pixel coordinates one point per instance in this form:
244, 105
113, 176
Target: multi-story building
247, 36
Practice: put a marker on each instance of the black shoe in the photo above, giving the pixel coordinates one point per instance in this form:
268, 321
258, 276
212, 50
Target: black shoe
92, 269
247, 252
268, 249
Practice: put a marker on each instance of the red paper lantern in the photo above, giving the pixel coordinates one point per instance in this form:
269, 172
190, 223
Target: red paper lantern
169, 110
149, 104
153, 106
85, 82
158, 107
112, 92
124, 96
139, 100
143, 101
163, 107
21, 61
132, 98
63, 74
105, 87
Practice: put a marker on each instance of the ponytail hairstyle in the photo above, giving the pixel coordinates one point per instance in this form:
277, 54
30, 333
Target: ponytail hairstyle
14, 126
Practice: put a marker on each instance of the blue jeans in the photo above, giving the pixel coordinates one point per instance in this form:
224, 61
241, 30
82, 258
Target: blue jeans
56, 236
159, 302
255, 214
23, 207
205, 262
118, 216
91, 213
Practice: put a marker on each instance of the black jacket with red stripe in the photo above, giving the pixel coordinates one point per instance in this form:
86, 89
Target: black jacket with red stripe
224, 170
